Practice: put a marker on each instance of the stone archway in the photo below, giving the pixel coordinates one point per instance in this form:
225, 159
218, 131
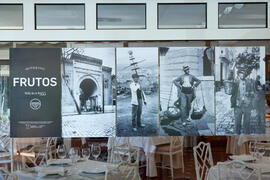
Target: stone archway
88, 87
88, 93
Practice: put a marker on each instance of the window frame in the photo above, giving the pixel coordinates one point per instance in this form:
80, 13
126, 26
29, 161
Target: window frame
15, 4
199, 3
266, 15
145, 17
49, 4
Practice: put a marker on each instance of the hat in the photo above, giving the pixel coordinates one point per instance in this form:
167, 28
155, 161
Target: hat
185, 68
135, 76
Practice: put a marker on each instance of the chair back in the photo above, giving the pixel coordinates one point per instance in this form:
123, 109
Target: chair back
51, 148
176, 143
124, 171
203, 159
259, 146
39, 154
125, 153
6, 155
238, 170
6, 175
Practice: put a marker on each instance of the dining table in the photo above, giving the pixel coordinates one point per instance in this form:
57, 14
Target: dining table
82, 170
148, 145
262, 163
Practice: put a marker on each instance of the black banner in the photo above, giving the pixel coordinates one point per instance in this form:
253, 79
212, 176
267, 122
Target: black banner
35, 97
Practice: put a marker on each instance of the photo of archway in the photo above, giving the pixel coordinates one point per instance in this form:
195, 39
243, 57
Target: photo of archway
137, 92
187, 91
88, 88
240, 90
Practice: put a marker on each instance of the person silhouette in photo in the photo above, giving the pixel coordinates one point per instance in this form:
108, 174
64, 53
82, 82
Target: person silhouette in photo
243, 90
137, 100
259, 104
186, 84
82, 100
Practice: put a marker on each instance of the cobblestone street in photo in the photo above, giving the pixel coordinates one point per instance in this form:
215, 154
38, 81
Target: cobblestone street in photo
89, 125
149, 117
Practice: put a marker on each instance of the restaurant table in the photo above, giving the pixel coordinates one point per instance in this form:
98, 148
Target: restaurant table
25, 175
263, 163
148, 144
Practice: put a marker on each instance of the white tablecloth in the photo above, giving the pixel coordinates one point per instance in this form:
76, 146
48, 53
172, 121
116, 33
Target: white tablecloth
247, 138
148, 144
23, 175
212, 175
262, 163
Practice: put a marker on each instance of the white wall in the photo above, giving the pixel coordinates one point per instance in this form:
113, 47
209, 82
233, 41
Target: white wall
151, 33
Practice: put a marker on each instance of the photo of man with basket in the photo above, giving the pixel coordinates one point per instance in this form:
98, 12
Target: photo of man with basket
240, 97
186, 84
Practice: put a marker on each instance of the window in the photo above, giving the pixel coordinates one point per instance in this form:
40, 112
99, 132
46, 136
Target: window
179, 16
245, 15
60, 16
11, 16
121, 16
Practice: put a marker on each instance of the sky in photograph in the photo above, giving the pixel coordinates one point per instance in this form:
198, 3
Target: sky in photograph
150, 55
105, 54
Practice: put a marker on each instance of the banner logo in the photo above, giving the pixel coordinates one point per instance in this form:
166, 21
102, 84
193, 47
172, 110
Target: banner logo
35, 104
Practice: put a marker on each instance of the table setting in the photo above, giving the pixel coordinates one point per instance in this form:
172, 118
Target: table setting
74, 164
254, 159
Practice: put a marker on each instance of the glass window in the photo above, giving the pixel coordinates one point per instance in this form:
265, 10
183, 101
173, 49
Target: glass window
11, 16
178, 16
60, 16
246, 15
121, 16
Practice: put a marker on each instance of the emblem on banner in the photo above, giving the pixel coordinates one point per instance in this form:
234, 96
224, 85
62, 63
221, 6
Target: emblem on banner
35, 104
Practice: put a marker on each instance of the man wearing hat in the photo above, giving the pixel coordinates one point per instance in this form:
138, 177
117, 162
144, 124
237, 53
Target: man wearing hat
186, 84
137, 100
243, 90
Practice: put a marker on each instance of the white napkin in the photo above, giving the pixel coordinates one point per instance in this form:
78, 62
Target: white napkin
44, 171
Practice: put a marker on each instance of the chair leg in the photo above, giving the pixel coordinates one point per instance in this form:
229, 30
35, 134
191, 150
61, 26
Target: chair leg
171, 165
183, 166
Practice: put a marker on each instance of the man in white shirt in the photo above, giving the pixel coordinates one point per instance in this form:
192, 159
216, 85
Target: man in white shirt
137, 98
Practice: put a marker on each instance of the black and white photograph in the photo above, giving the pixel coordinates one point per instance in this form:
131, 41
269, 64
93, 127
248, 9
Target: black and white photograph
137, 92
240, 90
88, 92
187, 91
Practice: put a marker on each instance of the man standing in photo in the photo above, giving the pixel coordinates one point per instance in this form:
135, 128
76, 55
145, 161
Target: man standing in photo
243, 90
137, 100
186, 84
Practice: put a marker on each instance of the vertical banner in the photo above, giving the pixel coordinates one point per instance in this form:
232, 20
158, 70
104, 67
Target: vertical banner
35, 97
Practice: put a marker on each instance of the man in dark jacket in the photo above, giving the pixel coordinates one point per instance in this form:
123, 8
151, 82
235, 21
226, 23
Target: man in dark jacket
241, 100
186, 84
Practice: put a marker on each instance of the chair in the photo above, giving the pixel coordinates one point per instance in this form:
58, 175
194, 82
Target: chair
256, 146
238, 170
122, 151
203, 159
5, 149
123, 171
6, 175
39, 154
176, 146
125, 153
